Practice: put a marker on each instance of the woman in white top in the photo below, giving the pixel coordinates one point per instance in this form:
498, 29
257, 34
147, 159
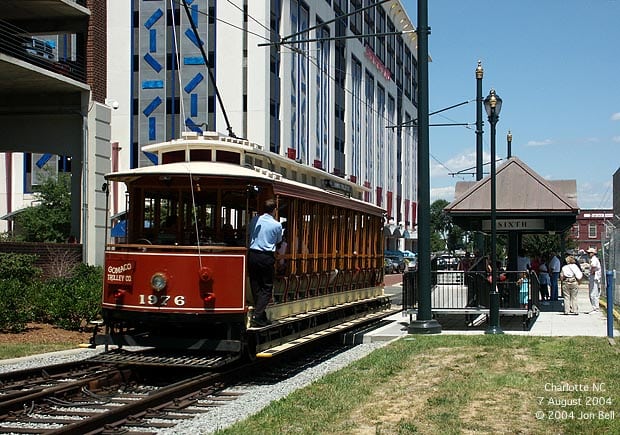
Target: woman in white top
570, 276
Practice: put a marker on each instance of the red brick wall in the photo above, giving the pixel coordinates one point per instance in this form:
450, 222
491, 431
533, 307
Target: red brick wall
96, 49
55, 259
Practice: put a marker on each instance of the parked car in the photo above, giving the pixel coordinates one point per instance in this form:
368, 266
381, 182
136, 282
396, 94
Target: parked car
38, 47
388, 266
412, 263
398, 264
447, 262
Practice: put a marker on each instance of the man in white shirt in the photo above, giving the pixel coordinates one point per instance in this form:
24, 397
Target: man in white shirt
594, 283
554, 275
265, 234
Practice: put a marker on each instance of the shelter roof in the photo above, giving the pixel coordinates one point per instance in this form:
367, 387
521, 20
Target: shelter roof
520, 192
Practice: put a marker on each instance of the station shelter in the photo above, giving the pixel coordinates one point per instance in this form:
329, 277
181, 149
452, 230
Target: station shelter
526, 203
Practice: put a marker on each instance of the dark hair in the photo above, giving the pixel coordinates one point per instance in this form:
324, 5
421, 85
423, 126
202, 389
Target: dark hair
270, 205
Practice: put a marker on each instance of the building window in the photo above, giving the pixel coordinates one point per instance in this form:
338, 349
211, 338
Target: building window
592, 230
323, 91
369, 25
355, 20
299, 83
390, 43
380, 151
369, 121
391, 144
380, 28
356, 117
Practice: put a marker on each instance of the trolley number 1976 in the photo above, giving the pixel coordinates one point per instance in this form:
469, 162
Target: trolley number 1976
162, 300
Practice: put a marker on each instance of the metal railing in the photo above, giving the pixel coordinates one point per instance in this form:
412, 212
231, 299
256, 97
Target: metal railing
17, 43
466, 290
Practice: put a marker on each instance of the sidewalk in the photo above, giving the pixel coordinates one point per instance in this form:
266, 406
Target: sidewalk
548, 323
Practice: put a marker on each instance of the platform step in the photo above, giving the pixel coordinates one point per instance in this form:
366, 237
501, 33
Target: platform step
268, 353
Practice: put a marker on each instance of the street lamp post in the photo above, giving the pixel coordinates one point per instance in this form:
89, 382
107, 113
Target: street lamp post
493, 105
479, 237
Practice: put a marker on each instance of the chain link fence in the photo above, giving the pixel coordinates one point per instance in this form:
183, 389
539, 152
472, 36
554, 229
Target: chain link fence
610, 260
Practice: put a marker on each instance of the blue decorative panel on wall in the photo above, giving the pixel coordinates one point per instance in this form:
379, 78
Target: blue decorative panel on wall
171, 96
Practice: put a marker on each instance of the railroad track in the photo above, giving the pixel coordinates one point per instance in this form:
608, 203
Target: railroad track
103, 399
94, 397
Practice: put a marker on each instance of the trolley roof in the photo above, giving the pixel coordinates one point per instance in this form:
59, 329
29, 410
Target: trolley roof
329, 188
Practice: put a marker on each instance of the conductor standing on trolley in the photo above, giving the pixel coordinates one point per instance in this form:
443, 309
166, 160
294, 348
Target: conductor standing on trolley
265, 235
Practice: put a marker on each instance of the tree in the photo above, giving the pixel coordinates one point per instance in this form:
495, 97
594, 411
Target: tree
50, 219
537, 244
444, 233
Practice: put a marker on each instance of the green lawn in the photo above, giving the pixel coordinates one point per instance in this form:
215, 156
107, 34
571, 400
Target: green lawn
449, 384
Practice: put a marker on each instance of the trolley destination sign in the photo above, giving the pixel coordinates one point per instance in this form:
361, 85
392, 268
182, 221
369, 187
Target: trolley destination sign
515, 224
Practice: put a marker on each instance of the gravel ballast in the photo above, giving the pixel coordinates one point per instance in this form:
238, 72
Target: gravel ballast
253, 398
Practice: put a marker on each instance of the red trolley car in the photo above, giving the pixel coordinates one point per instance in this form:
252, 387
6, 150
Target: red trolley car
177, 279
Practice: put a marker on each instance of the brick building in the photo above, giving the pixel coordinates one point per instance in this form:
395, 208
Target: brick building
592, 226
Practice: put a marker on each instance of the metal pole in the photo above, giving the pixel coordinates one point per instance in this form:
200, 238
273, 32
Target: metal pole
610, 302
479, 237
424, 323
479, 121
494, 327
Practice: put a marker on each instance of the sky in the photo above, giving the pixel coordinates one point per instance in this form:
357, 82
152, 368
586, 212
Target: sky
556, 66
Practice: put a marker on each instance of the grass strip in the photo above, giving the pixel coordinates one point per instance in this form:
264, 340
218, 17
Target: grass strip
18, 350
452, 384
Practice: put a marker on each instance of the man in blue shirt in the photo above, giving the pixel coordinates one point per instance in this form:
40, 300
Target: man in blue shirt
265, 234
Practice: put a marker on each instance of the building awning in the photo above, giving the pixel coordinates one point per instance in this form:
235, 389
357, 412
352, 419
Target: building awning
392, 230
409, 234
120, 229
11, 216
119, 215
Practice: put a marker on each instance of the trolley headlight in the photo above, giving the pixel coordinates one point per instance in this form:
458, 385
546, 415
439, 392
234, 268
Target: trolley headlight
159, 281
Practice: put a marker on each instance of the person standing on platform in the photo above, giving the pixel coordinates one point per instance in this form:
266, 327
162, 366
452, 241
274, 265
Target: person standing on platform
523, 261
594, 283
570, 276
545, 282
524, 289
265, 235
554, 275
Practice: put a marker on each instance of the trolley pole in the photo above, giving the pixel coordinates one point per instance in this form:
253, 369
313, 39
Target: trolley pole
424, 323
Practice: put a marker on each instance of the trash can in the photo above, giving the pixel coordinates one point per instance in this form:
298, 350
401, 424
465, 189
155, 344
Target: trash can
410, 289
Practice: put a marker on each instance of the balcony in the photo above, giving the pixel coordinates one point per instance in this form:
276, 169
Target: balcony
42, 49
48, 53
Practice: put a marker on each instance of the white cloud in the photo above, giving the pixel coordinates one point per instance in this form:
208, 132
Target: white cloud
539, 143
446, 193
460, 162
594, 194
616, 139
615, 116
